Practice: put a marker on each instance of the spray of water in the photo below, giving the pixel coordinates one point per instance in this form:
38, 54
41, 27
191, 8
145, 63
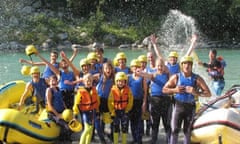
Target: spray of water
175, 35
176, 31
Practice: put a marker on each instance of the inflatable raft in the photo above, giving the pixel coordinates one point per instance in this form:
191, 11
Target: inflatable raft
10, 93
218, 121
19, 127
220, 126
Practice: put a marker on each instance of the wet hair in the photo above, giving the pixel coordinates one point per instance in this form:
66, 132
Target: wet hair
54, 52
159, 60
63, 60
105, 77
87, 76
99, 49
53, 77
214, 51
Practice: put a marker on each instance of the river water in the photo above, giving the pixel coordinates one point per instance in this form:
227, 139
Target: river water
10, 67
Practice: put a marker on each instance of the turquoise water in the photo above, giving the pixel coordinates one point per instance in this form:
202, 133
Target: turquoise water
10, 67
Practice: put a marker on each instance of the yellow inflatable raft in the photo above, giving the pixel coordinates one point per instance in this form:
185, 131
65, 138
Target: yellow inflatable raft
19, 127
218, 121
220, 126
11, 92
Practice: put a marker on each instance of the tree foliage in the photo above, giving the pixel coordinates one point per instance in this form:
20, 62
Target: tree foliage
218, 19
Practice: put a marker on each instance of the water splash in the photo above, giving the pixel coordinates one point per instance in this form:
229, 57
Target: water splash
176, 31
175, 34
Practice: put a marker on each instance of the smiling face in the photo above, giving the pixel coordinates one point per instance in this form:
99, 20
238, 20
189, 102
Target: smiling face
135, 69
88, 80
122, 62
99, 52
187, 68
121, 83
53, 57
35, 76
64, 65
53, 82
85, 68
160, 65
108, 69
143, 65
172, 60
151, 59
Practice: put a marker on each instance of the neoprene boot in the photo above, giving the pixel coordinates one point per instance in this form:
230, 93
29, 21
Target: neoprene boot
115, 138
124, 138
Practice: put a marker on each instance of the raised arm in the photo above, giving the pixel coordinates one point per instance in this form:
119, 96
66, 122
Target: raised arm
192, 45
75, 51
75, 70
155, 46
146, 75
31, 62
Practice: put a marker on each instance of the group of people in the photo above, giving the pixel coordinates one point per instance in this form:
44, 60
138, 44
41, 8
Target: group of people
101, 91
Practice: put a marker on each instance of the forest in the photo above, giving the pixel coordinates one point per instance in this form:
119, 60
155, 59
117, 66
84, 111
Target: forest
218, 19
125, 20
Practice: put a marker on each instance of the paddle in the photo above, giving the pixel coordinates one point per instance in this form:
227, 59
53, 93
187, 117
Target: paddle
211, 103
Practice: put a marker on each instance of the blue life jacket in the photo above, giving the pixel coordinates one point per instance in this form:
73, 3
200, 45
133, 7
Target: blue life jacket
136, 87
66, 76
103, 88
48, 72
57, 100
126, 70
158, 83
186, 81
173, 69
39, 89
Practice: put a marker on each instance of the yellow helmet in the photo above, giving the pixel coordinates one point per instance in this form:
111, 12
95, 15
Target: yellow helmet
145, 115
142, 58
121, 55
187, 59
92, 55
75, 125
67, 115
34, 69
135, 62
120, 76
115, 62
84, 62
107, 118
30, 49
173, 54
25, 70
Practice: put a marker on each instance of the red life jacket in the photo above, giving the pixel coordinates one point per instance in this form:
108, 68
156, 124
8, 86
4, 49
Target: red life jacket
120, 97
88, 99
